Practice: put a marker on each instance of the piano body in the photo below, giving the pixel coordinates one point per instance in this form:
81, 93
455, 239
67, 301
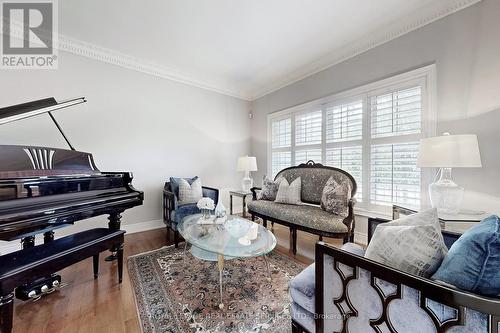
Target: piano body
43, 189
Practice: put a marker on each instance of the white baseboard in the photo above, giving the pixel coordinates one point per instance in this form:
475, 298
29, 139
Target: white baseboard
143, 226
12, 246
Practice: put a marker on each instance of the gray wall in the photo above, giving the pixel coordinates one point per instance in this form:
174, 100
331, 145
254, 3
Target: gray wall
154, 127
465, 47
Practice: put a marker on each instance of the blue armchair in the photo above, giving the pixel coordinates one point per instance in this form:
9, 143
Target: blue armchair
173, 213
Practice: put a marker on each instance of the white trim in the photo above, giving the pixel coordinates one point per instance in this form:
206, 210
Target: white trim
420, 18
15, 245
403, 26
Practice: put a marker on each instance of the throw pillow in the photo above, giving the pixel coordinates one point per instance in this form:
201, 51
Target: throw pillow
289, 193
335, 197
413, 244
190, 193
270, 189
473, 262
174, 184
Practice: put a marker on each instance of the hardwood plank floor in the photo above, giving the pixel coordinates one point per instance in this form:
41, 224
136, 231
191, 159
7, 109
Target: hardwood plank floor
102, 305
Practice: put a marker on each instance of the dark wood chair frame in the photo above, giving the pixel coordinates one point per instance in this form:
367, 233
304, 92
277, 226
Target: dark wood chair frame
169, 207
349, 221
429, 290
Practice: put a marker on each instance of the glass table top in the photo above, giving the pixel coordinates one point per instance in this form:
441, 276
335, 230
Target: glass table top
231, 236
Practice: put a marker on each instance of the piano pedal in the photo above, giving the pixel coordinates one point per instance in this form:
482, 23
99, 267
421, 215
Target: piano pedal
41, 287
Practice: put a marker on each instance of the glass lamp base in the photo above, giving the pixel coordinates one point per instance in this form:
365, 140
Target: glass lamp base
445, 194
246, 184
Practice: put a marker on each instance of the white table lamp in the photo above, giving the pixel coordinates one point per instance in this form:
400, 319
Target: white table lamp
446, 152
247, 164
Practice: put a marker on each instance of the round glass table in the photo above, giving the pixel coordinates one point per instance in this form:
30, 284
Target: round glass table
225, 238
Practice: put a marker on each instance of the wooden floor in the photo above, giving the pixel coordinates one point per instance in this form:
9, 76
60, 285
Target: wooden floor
103, 305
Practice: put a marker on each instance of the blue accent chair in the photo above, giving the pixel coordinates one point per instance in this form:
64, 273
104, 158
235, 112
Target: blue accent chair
173, 213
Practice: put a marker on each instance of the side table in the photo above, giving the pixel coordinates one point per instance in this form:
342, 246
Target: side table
243, 195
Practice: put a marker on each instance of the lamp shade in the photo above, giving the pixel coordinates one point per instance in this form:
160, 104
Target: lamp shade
450, 151
247, 163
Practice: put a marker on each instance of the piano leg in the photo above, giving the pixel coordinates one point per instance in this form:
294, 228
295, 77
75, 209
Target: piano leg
96, 265
48, 237
113, 224
6, 313
28, 242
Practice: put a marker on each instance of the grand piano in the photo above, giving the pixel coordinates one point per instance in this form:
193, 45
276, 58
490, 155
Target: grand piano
43, 189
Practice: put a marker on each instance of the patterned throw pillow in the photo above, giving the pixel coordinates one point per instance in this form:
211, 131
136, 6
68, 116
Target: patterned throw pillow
289, 193
190, 193
270, 189
413, 244
335, 197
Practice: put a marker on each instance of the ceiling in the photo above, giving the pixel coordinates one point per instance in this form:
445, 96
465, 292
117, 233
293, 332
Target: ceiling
243, 48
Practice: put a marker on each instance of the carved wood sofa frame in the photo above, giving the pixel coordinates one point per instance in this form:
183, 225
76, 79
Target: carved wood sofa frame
454, 298
349, 221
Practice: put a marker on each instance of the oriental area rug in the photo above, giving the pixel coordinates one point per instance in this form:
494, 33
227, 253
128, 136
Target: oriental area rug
179, 293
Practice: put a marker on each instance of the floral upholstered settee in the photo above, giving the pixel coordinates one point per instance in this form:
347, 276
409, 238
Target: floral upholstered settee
309, 217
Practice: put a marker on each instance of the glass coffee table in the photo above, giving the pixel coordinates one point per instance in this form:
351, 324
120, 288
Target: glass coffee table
227, 238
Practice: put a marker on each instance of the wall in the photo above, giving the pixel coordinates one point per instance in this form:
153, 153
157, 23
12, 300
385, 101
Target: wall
133, 122
465, 48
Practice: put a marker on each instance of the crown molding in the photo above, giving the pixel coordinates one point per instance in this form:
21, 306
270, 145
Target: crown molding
418, 19
397, 29
95, 52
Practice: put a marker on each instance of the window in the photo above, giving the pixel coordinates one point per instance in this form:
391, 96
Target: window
372, 132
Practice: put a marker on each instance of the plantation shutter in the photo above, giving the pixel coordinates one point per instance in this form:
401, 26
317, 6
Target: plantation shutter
394, 177
397, 113
308, 128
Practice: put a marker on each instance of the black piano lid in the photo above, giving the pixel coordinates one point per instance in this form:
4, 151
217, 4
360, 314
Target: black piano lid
30, 109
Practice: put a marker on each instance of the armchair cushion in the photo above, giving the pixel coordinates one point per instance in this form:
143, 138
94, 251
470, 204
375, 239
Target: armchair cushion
419, 248
183, 211
473, 261
174, 184
302, 286
304, 215
303, 317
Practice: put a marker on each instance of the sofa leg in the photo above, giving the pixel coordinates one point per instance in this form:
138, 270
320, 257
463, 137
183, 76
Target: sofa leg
351, 238
345, 239
253, 218
264, 223
176, 239
293, 240
296, 328
320, 238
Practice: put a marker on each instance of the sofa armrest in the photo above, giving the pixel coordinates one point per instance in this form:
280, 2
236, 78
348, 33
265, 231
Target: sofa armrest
212, 193
168, 205
370, 294
254, 192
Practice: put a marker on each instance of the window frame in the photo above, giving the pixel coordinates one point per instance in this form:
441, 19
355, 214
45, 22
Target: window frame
424, 76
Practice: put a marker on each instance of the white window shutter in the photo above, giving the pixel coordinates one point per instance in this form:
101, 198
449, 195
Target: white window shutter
395, 177
282, 133
344, 122
308, 128
302, 156
397, 113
